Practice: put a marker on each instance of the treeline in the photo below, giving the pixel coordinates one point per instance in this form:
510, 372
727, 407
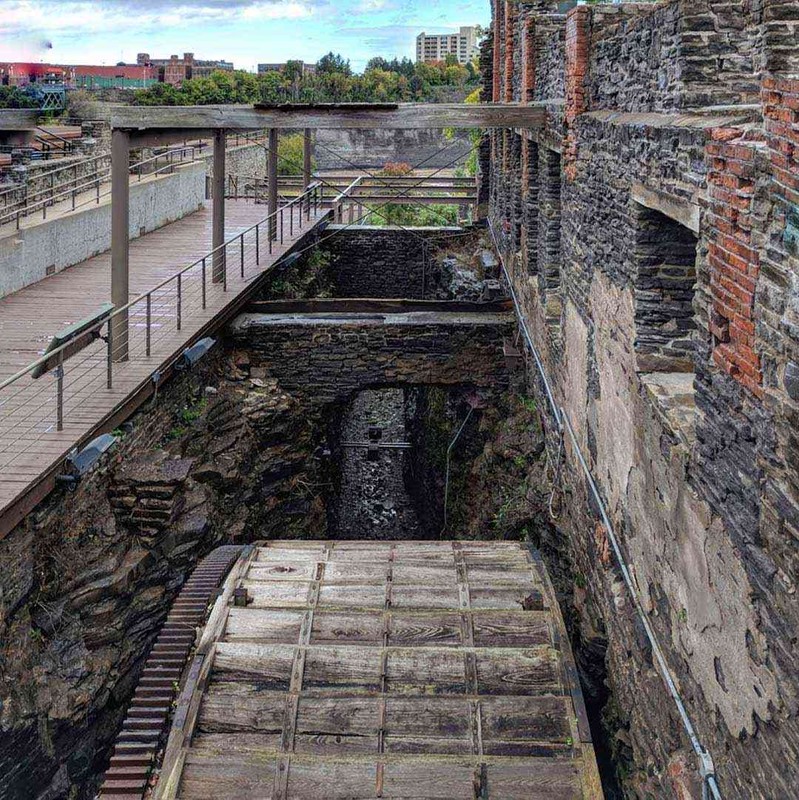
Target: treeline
332, 82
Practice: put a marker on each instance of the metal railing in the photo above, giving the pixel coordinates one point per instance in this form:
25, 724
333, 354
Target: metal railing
142, 331
49, 197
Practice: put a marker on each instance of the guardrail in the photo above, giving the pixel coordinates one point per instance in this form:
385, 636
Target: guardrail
49, 197
30, 407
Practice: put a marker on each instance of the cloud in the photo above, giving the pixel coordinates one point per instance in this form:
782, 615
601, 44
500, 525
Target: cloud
26, 18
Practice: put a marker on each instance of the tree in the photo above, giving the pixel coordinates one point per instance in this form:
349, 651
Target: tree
334, 62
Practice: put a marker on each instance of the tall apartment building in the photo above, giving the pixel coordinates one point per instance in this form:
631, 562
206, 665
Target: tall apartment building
436, 47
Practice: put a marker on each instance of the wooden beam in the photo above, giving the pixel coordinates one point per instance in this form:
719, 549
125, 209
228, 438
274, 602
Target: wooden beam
218, 221
120, 234
271, 182
306, 158
148, 123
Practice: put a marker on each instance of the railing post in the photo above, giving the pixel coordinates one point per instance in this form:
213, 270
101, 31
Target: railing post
180, 298
281, 224
241, 253
224, 277
110, 356
59, 374
204, 297
148, 325
291, 219
257, 245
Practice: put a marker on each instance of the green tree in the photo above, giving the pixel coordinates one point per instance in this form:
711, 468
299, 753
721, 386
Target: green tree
334, 62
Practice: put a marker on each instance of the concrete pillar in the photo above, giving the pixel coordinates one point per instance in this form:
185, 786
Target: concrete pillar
218, 224
120, 212
306, 158
271, 181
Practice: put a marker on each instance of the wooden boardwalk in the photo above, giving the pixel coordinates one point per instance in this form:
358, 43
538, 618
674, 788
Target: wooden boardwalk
31, 447
382, 669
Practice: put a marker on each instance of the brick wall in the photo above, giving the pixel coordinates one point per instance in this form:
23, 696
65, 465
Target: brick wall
578, 31
733, 259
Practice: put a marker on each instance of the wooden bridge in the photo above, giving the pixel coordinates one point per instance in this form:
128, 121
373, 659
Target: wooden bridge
182, 291
365, 670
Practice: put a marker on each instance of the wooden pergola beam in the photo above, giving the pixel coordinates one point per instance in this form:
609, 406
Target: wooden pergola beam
152, 125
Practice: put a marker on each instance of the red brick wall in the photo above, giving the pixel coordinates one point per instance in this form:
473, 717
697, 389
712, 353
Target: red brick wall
528, 61
578, 36
497, 76
781, 112
733, 257
510, 27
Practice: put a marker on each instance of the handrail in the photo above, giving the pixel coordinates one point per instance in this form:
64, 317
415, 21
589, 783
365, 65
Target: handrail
95, 181
309, 194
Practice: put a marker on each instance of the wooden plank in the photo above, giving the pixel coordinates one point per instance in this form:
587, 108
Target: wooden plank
143, 120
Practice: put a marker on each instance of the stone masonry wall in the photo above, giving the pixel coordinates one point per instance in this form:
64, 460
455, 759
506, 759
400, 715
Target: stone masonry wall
674, 351
374, 261
330, 360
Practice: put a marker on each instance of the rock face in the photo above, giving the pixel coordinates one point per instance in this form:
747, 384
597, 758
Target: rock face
648, 235
87, 579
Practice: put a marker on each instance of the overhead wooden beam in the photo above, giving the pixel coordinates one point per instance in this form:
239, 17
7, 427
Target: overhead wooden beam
147, 123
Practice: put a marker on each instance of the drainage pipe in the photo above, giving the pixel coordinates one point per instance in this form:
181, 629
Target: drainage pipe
706, 768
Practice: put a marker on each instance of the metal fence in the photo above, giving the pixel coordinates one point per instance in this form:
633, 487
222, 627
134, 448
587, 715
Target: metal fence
119, 352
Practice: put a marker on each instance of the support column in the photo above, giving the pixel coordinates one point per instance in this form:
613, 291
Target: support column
271, 181
120, 213
306, 158
218, 225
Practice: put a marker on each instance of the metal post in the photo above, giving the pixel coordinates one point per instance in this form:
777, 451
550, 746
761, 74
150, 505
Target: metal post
281, 225
241, 251
204, 298
148, 328
110, 355
291, 220
120, 222
59, 374
180, 297
218, 224
257, 245
271, 180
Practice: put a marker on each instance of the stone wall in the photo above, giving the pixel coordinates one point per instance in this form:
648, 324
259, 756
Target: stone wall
88, 577
373, 149
374, 261
672, 256
329, 359
30, 254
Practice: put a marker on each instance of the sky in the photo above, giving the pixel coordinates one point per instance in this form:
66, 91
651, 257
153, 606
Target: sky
245, 32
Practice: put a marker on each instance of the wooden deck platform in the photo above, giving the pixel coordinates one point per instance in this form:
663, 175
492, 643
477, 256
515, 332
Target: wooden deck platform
382, 669
31, 447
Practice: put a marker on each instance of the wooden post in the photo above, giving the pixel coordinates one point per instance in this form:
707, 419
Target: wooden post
120, 211
306, 158
271, 182
218, 237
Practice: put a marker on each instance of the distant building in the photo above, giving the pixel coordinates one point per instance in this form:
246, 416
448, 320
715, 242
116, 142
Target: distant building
436, 47
307, 69
175, 70
78, 76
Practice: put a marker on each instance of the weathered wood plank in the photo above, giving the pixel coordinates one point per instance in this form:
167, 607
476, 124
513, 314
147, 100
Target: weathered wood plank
142, 120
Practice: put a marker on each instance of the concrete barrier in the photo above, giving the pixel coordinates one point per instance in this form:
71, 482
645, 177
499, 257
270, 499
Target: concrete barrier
30, 254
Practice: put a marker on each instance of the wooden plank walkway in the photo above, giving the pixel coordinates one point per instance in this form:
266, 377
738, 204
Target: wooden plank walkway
30, 444
382, 669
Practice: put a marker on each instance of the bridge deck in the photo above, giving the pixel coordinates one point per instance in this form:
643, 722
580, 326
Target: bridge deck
30, 445
380, 669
